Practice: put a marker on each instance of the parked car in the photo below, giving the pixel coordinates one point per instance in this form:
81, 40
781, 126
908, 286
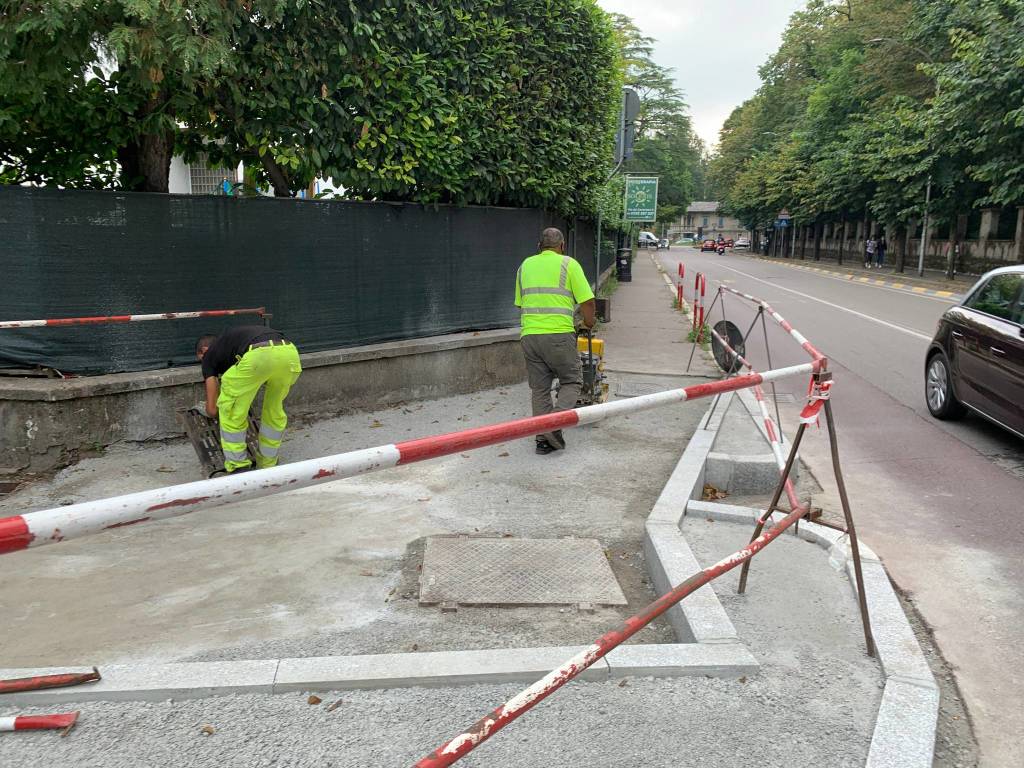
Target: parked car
708, 245
728, 242
647, 240
741, 244
664, 243
976, 360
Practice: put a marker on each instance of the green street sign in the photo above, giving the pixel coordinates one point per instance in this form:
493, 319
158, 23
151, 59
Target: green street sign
641, 198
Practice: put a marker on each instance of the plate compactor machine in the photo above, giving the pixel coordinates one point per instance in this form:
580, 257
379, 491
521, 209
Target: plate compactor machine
204, 434
595, 386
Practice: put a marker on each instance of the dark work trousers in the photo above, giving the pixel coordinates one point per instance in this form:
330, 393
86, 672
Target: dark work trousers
551, 356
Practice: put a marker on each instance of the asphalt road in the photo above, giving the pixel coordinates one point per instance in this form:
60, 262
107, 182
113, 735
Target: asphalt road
941, 502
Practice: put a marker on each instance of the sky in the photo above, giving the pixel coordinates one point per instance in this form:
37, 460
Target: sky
713, 46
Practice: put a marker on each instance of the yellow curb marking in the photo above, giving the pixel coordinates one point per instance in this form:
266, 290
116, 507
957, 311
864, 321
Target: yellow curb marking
862, 279
944, 293
897, 285
918, 289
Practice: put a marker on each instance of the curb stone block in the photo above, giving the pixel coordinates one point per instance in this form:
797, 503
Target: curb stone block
442, 668
700, 616
727, 660
741, 474
904, 735
897, 647
155, 682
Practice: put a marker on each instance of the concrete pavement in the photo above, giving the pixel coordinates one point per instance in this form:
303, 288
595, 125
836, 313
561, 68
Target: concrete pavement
939, 502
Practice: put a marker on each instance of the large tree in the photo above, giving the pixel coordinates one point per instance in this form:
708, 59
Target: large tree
477, 102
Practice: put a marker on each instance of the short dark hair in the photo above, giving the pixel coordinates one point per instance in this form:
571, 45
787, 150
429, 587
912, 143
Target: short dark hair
205, 340
551, 237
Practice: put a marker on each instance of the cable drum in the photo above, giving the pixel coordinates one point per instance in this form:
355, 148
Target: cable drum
734, 338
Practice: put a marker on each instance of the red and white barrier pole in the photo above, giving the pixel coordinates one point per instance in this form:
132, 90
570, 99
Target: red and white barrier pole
50, 526
101, 319
700, 285
490, 724
799, 337
61, 722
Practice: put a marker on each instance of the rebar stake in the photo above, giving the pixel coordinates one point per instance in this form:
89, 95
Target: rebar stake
774, 503
844, 500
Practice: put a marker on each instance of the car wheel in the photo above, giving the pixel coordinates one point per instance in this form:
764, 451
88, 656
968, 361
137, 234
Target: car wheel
938, 389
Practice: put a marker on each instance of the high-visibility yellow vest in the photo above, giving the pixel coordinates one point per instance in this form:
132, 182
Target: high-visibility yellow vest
548, 288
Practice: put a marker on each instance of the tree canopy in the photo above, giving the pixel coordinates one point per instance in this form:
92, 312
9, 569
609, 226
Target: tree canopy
477, 102
865, 99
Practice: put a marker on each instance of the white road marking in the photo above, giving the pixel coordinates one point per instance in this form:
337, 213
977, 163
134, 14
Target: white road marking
900, 328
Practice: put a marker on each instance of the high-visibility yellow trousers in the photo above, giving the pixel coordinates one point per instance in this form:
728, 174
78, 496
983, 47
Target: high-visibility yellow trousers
278, 368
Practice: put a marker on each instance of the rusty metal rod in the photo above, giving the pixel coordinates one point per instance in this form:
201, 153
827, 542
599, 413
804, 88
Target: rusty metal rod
48, 681
783, 480
862, 599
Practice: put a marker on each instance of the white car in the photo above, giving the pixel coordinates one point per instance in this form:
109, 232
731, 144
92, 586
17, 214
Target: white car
742, 243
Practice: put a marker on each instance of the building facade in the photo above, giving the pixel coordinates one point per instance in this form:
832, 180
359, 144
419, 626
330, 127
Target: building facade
704, 219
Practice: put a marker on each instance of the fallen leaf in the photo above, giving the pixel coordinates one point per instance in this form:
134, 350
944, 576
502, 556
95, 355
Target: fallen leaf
484, 471
415, 646
503, 455
208, 730
335, 705
425, 498
376, 424
314, 699
366, 573
165, 469
464, 455
743, 679
623, 683
711, 493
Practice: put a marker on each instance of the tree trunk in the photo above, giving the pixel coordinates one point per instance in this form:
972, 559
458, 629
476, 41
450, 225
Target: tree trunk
146, 162
842, 241
817, 241
277, 177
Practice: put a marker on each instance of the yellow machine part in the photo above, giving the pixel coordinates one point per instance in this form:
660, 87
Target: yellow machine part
581, 345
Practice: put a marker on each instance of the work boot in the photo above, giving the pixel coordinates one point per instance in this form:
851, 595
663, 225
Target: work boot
544, 448
555, 440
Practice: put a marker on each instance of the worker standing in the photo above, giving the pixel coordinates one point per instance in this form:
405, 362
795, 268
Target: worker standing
235, 365
549, 285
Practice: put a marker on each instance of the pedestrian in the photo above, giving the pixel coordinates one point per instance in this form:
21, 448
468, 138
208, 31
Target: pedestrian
880, 248
869, 252
235, 365
549, 286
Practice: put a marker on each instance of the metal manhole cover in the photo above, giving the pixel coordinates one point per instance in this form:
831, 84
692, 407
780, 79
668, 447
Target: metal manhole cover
638, 388
482, 571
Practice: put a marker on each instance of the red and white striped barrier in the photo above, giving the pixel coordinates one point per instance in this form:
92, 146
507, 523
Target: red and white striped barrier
700, 285
490, 724
101, 319
800, 338
39, 722
51, 526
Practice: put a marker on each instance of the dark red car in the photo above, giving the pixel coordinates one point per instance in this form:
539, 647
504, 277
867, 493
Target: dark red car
976, 360
708, 245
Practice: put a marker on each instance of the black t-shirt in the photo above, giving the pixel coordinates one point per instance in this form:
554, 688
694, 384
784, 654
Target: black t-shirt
231, 345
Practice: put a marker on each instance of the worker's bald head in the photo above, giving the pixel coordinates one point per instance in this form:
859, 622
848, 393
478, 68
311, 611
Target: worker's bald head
552, 239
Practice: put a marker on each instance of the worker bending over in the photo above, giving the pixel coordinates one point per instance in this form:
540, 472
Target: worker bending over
246, 357
548, 288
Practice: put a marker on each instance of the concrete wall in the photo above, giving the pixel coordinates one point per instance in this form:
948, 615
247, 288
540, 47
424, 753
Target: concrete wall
46, 424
